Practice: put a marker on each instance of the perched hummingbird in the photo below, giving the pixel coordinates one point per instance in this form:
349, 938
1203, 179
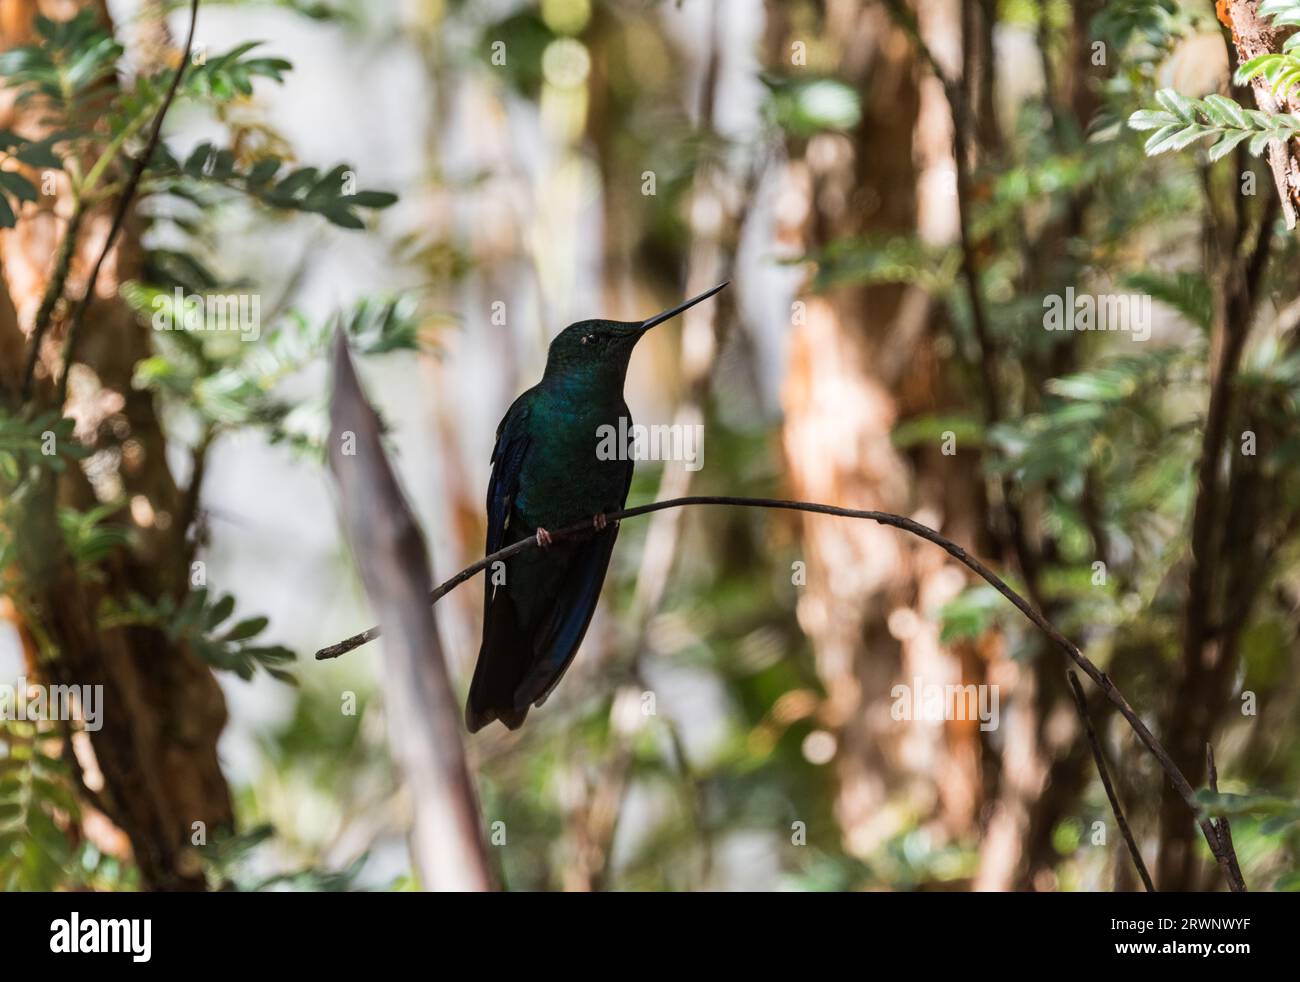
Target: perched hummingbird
546, 474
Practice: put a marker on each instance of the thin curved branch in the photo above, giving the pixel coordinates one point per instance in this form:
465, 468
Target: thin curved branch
1070, 650
1100, 758
123, 205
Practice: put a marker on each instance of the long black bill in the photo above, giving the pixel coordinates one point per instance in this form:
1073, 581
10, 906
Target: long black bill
670, 314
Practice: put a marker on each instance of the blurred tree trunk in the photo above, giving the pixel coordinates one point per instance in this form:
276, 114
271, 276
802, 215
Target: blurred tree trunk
1052, 763
162, 710
860, 358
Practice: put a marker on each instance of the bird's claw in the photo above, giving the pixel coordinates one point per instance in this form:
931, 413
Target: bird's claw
543, 538
599, 521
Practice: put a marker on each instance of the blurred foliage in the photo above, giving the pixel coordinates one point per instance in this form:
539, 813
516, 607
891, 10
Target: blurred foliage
804, 107
1102, 433
1081, 412
1182, 120
227, 383
40, 847
202, 623
98, 115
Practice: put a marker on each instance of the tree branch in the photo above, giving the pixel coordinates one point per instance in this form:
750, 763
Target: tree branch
123, 205
1072, 652
45, 313
449, 851
1079, 700
1221, 823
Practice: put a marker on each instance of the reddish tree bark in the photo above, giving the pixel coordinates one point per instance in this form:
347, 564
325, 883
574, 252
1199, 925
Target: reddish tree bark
163, 710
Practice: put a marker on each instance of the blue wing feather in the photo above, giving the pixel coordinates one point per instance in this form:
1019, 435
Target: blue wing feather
503, 656
530, 638
507, 463
564, 629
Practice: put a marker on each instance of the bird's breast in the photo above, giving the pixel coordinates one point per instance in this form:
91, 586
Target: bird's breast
576, 466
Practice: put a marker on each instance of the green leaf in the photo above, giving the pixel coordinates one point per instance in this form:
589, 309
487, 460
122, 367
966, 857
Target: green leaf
1226, 143
246, 629
16, 185
1178, 104
1100, 385
1186, 292
1226, 111
39, 154
1156, 142
263, 170
219, 611
933, 429
1259, 143
1259, 65
371, 199
805, 107
1151, 119
971, 613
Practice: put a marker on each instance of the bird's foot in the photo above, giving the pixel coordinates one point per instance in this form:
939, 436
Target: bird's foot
599, 521
543, 538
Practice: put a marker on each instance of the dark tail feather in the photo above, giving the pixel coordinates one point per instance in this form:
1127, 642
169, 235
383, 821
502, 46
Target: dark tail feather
562, 632
502, 661
520, 662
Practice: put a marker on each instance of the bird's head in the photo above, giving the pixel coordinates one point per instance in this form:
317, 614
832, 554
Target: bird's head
600, 349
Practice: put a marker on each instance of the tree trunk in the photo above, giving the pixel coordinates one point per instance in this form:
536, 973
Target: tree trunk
162, 709
862, 358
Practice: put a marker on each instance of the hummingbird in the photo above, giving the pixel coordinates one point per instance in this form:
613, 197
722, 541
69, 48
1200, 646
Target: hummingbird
547, 474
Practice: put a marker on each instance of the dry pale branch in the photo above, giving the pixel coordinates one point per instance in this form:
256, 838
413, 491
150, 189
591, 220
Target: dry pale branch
423, 717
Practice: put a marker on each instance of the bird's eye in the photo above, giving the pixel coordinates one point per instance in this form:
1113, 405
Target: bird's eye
586, 338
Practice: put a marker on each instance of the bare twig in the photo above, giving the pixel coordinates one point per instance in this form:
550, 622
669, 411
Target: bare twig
1068, 647
1104, 771
123, 205
53, 291
1221, 822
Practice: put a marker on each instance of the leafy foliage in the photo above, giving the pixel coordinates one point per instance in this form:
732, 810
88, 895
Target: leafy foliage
15, 188
69, 59
35, 801
1185, 291
229, 384
1182, 120
198, 621
39, 810
977, 609
1279, 814
1121, 21
94, 118
303, 189
228, 859
89, 540
43, 442
1281, 69
897, 259
804, 107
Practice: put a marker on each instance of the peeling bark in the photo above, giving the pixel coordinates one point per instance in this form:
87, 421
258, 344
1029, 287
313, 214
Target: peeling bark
1253, 36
